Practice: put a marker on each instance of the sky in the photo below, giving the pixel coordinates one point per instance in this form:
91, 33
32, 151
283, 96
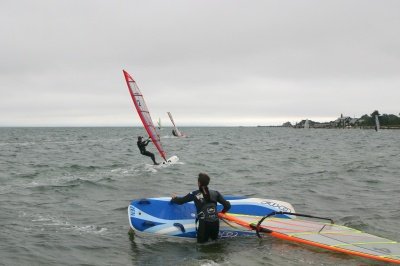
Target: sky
208, 62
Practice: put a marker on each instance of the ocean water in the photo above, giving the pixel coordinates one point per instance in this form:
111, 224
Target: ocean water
64, 192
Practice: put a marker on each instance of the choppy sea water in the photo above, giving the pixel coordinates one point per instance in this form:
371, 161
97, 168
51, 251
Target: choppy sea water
64, 192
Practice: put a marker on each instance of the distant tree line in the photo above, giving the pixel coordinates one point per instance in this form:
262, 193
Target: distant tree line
365, 121
384, 120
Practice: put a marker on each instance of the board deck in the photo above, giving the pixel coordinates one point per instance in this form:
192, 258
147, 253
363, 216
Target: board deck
170, 161
161, 217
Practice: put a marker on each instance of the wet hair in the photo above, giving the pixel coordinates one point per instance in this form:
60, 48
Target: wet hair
139, 137
204, 180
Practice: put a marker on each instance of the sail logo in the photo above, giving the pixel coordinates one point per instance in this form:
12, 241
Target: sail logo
228, 234
211, 210
132, 211
276, 206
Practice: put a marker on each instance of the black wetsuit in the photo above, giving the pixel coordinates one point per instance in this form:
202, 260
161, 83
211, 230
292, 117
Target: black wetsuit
142, 147
206, 212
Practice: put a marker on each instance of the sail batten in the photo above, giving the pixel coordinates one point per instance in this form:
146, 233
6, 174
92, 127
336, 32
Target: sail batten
144, 114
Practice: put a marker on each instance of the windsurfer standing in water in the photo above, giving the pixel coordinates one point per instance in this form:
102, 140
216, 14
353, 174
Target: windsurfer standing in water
206, 205
142, 147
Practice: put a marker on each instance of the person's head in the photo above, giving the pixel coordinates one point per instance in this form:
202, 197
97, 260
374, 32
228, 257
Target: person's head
140, 138
203, 180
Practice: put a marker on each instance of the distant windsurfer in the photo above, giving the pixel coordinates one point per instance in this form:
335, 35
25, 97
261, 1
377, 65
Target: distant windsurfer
142, 147
175, 133
206, 206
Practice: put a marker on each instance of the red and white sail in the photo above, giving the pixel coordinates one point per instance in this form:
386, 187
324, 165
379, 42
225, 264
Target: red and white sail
144, 113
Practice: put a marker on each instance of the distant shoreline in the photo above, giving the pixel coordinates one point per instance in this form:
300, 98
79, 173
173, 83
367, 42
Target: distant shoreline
358, 127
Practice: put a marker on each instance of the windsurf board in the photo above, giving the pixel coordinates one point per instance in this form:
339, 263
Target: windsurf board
158, 216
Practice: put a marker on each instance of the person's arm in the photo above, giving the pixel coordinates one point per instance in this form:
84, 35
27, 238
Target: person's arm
224, 202
182, 200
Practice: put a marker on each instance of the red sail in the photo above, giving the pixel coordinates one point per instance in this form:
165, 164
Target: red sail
144, 114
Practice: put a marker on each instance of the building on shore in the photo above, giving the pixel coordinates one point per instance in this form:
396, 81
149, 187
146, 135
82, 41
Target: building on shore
387, 121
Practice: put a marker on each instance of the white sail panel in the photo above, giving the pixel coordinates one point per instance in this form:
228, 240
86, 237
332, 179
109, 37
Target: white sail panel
178, 133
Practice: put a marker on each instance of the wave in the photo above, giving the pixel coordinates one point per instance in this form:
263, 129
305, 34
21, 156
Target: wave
48, 223
28, 175
124, 209
78, 167
354, 222
71, 183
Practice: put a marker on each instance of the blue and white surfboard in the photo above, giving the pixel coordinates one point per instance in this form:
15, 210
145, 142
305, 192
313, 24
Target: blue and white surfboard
161, 217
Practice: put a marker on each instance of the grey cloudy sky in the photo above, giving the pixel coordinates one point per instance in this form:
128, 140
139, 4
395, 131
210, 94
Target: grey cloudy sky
208, 62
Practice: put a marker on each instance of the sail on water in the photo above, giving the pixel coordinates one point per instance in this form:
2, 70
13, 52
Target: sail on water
175, 131
307, 124
144, 114
159, 123
326, 235
377, 125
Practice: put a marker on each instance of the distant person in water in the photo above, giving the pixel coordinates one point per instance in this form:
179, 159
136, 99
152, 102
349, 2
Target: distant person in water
142, 147
174, 132
206, 206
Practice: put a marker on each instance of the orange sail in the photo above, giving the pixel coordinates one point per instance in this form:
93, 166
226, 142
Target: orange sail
324, 235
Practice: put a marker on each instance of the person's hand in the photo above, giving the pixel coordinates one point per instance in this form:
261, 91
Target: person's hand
172, 198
